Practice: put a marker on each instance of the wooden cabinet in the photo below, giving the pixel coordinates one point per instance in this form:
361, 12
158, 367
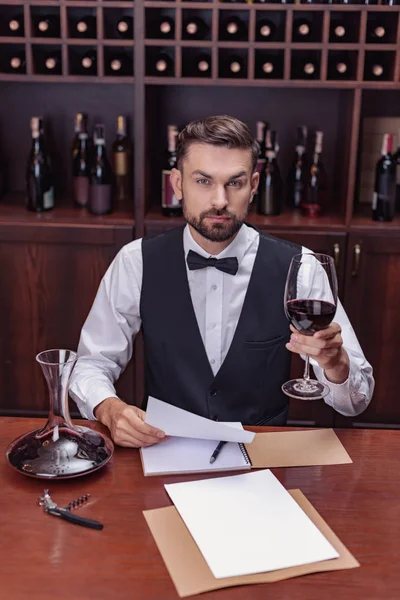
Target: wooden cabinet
48, 280
372, 303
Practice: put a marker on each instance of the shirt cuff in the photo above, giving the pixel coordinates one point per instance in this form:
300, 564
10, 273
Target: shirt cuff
94, 397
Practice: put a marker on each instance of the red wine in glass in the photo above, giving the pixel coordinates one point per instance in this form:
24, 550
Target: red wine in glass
310, 316
310, 304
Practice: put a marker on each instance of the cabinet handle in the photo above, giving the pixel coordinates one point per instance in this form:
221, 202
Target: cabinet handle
356, 263
336, 255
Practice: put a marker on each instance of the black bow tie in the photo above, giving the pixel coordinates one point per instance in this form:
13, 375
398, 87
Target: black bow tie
227, 265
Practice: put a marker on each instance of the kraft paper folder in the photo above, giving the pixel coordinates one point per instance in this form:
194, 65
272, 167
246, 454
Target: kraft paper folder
190, 572
267, 450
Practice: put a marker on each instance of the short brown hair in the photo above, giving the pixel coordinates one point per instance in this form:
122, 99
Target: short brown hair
221, 130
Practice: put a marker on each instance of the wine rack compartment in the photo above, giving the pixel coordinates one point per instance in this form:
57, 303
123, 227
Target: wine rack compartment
82, 23
196, 62
342, 66
307, 27
12, 21
47, 59
269, 64
381, 28
160, 23
82, 60
12, 59
233, 26
160, 61
233, 63
379, 65
45, 22
118, 61
118, 23
344, 27
306, 64
196, 24
270, 26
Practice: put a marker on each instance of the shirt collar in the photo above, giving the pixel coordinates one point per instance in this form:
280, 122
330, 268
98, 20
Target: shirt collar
237, 248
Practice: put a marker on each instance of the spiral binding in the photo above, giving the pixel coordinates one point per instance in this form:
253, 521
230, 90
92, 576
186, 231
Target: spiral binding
245, 455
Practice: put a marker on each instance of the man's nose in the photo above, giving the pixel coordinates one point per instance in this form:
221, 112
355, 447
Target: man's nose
220, 198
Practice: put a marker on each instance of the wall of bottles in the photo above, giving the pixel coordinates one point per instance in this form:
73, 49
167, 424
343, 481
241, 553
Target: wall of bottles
213, 40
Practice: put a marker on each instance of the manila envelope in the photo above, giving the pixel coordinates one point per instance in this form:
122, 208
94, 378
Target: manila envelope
303, 448
190, 572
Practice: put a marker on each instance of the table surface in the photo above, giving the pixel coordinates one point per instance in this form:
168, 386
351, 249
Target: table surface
45, 557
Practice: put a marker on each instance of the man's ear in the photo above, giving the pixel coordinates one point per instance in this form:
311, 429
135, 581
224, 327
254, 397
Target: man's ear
176, 182
255, 180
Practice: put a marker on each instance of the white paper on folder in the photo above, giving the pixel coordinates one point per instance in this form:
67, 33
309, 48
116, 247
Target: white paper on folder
248, 523
176, 421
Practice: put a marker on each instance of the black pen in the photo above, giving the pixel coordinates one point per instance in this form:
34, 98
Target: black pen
217, 450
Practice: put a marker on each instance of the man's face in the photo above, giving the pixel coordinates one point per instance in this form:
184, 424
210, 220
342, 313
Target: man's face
217, 186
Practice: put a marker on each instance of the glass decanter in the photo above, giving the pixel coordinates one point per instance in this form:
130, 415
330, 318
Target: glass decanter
60, 449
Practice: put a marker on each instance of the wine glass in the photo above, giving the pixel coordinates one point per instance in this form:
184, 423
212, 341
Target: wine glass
310, 304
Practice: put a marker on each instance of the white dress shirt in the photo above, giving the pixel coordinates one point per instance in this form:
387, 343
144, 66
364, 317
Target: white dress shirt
107, 336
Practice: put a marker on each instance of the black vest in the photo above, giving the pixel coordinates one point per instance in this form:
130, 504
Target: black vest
247, 387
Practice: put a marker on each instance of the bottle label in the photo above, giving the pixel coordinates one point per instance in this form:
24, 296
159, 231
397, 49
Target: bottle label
121, 163
374, 201
48, 199
260, 165
168, 197
80, 188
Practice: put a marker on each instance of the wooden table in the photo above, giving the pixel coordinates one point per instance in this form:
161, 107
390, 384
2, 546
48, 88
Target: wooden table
45, 557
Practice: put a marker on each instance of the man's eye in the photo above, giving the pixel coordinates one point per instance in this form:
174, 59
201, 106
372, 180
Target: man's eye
202, 181
235, 183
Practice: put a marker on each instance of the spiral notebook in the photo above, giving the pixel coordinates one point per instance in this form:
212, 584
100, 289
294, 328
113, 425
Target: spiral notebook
189, 455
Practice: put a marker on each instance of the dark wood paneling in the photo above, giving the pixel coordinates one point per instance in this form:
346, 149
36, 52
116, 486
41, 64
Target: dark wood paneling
46, 291
372, 302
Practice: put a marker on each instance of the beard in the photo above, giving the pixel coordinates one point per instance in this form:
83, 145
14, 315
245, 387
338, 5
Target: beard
215, 232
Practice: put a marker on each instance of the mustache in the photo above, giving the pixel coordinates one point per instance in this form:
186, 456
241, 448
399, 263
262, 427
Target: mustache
216, 213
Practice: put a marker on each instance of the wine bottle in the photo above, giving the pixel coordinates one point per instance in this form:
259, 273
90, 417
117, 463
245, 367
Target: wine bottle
86, 27
270, 188
339, 30
17, 62
233, 66
171, 205
384, 197
265, 30
302, 30
375, 68
16, 26
396, 157
122, 159
164, 27
125, 27
202, 66
376, 33
261, 159
339, 69
305, 69
52, 63
267, 67
88, 62
47, 26
120, 64
81, 120
195, 29
80, 163
315, 200
162, 65
39, 184
101, 176
233, 29
297, 178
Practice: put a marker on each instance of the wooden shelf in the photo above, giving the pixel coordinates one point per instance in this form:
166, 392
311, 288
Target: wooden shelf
13, 211
292, 220
362, 221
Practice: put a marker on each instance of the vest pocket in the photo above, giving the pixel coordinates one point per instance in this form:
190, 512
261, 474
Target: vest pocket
264, 343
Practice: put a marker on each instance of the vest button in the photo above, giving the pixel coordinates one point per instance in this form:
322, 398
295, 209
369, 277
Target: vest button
213, 392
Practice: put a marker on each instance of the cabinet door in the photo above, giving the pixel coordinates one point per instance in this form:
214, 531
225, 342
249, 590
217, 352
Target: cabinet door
334, 244
48, 280
372, 303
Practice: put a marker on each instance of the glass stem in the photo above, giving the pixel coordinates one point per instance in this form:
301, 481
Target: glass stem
306, 375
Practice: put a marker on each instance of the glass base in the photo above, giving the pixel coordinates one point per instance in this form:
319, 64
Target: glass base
305, 390
60, 452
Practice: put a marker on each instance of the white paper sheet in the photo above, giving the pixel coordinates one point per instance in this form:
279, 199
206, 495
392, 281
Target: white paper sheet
178, 422
248, 523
